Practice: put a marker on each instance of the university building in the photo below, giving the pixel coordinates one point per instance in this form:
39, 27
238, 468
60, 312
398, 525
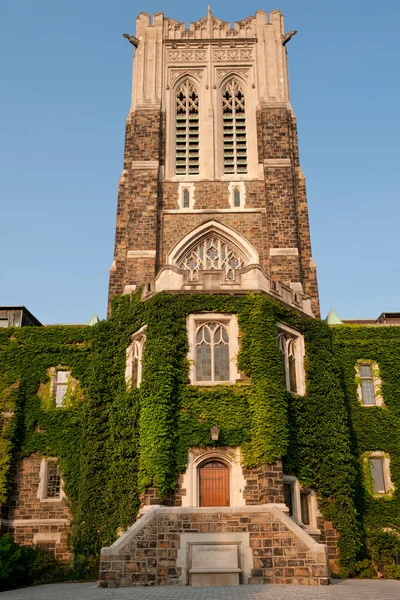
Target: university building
214, 431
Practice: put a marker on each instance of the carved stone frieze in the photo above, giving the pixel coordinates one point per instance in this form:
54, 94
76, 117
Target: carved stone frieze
183, 55
222, 72
233, 54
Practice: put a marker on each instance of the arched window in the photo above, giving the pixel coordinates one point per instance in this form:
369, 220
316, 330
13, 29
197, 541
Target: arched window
187, 129
212, 352
292, 359
211, 253
234, 128
134, 356
186, 198
236, 198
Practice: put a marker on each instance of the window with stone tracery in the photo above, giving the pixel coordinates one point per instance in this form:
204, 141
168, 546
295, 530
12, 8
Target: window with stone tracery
187, 129
234, 128
291, 346
211, 253
212, 352
134, 358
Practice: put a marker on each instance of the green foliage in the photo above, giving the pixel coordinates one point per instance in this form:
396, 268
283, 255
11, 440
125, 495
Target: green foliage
27, 565
112, 443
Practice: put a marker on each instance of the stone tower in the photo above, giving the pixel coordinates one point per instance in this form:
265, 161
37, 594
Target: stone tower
212, 196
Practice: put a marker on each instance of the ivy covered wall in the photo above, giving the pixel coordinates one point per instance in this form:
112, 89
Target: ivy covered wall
113, 443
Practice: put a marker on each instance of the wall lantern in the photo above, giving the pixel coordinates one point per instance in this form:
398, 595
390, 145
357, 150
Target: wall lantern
214, 433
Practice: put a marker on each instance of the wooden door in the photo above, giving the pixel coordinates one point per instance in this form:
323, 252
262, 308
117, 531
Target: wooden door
214, 484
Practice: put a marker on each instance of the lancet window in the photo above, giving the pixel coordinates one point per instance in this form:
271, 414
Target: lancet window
212, 352
234, 128
187, 129
211, 253
288, 353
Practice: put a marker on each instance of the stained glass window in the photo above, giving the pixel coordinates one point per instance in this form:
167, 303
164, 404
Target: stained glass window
212, 352
234, 128
187, 129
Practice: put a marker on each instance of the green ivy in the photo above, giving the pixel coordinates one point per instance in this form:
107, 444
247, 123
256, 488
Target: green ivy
113, 443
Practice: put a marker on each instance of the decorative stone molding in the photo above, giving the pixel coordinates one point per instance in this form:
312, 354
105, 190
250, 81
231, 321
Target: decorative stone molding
228, 54
273, 163
216, 211
190, 482
186, 55
140, 254
240, 186
145, 164
190, 187
283, 252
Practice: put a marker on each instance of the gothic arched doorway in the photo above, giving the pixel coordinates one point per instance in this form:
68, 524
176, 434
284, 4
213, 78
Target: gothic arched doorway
214, 483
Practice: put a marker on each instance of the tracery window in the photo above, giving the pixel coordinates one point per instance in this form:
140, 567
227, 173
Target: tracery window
187, 129
134, 357
234, 128
211, 253
212, 352
291, 346
287, 348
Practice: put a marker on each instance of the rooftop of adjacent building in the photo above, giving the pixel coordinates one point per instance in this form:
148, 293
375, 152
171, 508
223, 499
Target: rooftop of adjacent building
385, 318
20, 316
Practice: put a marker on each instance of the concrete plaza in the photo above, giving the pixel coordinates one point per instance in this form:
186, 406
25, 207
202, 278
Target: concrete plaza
340, 590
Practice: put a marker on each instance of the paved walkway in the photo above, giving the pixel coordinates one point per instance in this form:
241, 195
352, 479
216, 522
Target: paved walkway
340, 590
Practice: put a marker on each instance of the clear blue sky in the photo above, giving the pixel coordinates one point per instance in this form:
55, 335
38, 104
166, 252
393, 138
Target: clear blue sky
65, 94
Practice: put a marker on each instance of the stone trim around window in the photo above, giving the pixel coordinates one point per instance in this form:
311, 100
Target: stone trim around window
387, 480
296, 340
298, 494
186, 196
230, 323
237, 195
44, 480
134, 356
376, 383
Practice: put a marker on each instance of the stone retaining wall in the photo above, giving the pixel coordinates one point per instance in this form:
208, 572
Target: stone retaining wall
153, 550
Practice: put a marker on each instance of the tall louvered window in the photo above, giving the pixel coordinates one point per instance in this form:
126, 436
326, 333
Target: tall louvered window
187, 129
234, 128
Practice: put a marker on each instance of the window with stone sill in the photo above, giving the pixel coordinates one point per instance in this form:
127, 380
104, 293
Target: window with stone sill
50, 481
134, 359
379, 471
60, 385
187, 129
291, 346
213, 346
301, 503
368, 383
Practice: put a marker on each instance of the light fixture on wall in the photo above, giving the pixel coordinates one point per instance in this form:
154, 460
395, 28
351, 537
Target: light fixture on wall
214, 433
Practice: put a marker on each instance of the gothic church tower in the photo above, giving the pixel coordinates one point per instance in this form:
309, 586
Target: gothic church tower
212, 197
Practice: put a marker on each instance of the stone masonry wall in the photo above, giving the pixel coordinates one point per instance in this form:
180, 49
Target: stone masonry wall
147, 221
32, 520
150, 556
264, 484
